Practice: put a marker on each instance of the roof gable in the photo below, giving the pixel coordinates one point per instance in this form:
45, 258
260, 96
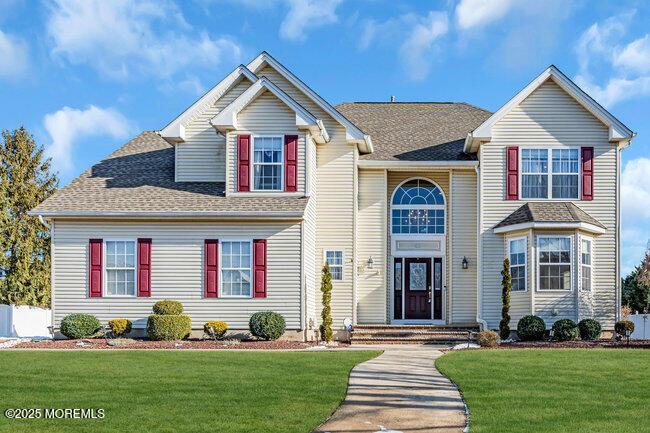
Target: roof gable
226, 120
617, 130
353, 133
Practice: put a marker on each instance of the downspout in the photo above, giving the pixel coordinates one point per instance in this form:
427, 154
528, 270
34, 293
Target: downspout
479, 257
42, 221
355, 199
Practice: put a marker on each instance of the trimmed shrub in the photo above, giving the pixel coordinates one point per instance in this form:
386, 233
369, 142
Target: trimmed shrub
623, 325
589, 329
506, 288
326, 333
267, 325
565, 330
167, 308
215, 329
120, 327
488, 338
77, 326
531, 328
168, 327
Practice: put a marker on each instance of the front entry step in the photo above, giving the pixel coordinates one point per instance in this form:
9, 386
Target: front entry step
412, 334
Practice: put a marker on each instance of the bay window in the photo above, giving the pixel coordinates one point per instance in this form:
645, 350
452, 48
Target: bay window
554, 262
550, 173
585, 264
517, 255
267, 163
120, 268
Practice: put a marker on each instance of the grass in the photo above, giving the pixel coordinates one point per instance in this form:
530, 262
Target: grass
176, 391
553, 390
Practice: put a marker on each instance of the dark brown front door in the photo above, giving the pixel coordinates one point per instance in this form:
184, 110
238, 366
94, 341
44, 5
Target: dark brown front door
417, 288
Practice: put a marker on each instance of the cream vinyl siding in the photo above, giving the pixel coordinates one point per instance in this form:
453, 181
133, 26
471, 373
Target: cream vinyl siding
371, 283
550, 117
463, 243
202, 157
266, 115
441, 178
335, 200
177, 270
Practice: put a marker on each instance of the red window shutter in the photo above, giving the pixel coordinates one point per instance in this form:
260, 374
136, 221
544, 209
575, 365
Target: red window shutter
144, 267
259, 268
587, 173
512, 173
291, 163
243, 162
95, 267
211, 277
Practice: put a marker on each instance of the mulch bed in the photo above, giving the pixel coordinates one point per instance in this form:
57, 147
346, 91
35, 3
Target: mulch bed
100, 343
634, 344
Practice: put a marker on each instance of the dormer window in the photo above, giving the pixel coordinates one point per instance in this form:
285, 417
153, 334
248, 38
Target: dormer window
267, 163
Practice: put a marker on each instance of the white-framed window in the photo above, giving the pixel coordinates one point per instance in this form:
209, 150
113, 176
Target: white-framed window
554, 263
517, 253
236, 268
418, 207
586, 263
120, 259
550, 173
335, 260
268, 163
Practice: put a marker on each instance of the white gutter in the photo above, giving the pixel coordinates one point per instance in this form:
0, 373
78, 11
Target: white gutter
364, 163
193, 215
479, 257
551, 225
42, 221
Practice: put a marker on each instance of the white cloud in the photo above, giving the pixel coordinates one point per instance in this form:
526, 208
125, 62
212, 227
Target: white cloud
121, 38
635, 196
635, 55
600, 47
14, 55
415, 51
68, 125
307, 14
417, 36
478, 13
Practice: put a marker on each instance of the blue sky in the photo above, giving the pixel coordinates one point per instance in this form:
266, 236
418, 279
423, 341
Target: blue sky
85, 76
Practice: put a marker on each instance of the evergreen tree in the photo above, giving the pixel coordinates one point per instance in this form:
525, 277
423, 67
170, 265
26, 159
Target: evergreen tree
636, 286
25, 181
326, 315
506, 287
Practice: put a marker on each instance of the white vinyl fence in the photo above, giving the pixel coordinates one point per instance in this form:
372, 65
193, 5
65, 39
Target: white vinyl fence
24, 322
641, 326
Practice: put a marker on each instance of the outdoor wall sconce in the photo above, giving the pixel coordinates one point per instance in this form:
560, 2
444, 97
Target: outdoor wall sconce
370, 262
465, 263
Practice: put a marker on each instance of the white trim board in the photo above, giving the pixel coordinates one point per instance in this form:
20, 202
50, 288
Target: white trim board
226, 120
551, 225
618, 132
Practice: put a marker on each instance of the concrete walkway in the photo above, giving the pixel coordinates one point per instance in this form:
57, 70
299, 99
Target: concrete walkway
399, 391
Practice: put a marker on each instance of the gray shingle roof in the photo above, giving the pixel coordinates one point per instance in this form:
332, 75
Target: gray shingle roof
549, 212
139, 178
416, 131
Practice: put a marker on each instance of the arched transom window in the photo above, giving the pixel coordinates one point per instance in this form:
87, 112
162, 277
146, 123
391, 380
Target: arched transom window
418, 207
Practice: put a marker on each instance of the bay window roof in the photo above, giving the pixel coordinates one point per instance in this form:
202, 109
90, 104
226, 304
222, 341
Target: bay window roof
552, 215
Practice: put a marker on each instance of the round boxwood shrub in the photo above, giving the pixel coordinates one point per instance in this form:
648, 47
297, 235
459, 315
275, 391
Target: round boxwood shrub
488, 338
215, 329
531, 328
622, 326
589, 329
167, 307
565, 330
77, 326
120, 327
168, 327
267, 325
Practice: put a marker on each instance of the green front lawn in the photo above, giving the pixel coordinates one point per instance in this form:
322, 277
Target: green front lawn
553, 390
176, 391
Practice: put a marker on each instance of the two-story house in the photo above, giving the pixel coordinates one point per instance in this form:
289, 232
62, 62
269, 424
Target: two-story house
235, 206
